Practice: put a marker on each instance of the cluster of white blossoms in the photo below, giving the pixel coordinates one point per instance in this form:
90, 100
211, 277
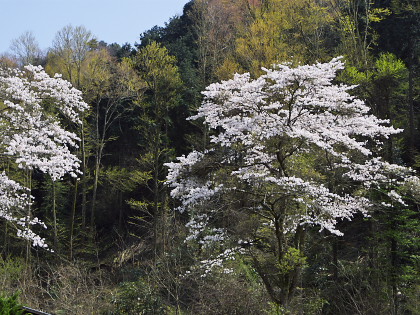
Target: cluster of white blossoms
190, 190
12, 195
297, 102
33, 109
206, 267
32, 133
267, 121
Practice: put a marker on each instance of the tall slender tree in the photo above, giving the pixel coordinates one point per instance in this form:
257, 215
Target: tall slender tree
26, 49
158, 70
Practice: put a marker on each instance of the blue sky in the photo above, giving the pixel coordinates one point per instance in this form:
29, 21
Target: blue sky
117, 21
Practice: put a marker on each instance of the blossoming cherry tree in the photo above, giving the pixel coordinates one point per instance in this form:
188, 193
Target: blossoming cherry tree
34, 110
290, 150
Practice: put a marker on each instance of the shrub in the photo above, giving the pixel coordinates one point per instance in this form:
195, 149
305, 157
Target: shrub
9, 305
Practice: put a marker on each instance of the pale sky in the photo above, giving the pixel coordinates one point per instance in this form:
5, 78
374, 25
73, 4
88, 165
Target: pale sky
119, 21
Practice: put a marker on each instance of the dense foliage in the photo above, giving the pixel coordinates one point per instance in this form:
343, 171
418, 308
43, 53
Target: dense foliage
294, 190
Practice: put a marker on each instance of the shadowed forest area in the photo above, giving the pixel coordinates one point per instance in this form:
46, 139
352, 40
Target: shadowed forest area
288, 196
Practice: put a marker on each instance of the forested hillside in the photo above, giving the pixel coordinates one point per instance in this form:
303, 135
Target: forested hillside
249, 157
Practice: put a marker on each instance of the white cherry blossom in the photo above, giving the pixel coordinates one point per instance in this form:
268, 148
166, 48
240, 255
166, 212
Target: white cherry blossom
262, 127
34, 107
